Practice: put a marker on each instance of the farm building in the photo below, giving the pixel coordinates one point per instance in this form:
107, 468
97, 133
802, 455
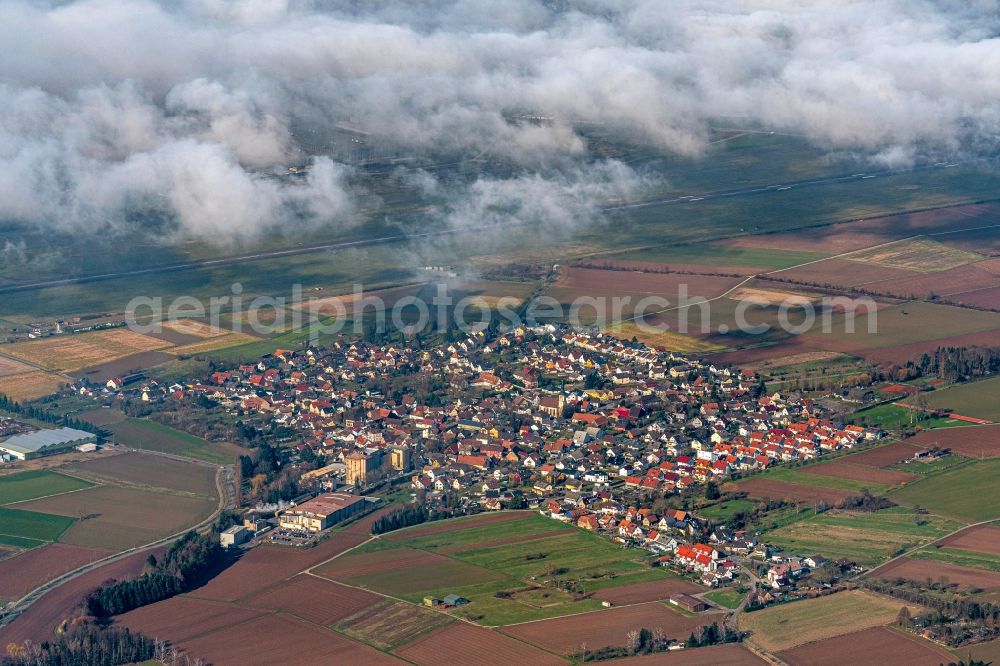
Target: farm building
688, 603
322, 511
44, 442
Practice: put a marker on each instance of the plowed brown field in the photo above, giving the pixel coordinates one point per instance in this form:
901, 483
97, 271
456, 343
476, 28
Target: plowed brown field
638, 593
315, 599
878, 645
180, 618
461, 643
982, 539
281, 639
921, 570
781, 490
845, 470
19, 575
605, 627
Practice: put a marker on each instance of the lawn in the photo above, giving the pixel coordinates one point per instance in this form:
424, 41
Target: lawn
32, 525
796, 623
725, 510
727, 597
37, 483
895, 417
866, 538
979, 399
153, 436
967, 492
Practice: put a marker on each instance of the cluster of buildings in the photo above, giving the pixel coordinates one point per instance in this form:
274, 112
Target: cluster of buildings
544, 413
21, 442
580, 425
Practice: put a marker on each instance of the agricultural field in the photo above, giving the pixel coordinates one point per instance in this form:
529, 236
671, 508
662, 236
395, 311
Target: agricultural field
878, 645
466, 644
389, 625
117, 518
962, 558
153, 436
678, 342
789, 625
506, 564
33, 484
980, 399
968, 492
916, 254
825, 475
315, 599
273, 639
23, 573
795, 492
924, 570
134, 470
983, 539
606, 627
31, 385
19, 527
731, 256
213, 344
878, 478
183, 617
900, 326
73, 352
970, 441
866, 538
9, 366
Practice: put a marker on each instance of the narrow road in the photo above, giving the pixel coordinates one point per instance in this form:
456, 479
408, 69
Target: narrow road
224, 487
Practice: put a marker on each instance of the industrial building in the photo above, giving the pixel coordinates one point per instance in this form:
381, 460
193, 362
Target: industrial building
28, 445
234, 536
361, 465
322, 512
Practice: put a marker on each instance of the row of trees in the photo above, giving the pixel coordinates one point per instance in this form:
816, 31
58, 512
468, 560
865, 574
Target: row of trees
185, 564
39, 414
411, 515
83, 644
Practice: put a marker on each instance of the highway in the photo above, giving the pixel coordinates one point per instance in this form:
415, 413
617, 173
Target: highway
776, 189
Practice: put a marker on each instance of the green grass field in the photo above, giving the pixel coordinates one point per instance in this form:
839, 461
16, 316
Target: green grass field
37, 483
153, 436
866, 538
894, 417
727, 597
723, 254
967, 492
979, 399
725, 510
591, 561
964, 558
32, 525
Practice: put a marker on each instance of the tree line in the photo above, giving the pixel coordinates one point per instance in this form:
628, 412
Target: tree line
83, 643
37, 414
186, 563
400, 518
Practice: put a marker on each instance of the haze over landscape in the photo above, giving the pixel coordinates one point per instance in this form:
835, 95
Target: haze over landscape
515, 332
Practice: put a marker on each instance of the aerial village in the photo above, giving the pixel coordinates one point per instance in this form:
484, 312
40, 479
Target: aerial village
581, 426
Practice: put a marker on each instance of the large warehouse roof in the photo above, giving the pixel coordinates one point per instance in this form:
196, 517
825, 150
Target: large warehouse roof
30, 442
